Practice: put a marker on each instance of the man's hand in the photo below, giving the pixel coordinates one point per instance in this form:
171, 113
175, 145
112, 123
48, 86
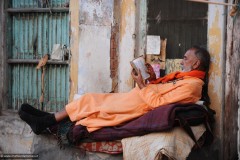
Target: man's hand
151, 72
137, 76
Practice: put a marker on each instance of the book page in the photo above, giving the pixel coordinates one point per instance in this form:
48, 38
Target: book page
139, 63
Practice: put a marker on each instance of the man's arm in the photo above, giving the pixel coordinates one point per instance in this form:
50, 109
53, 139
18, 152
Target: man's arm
186, 93
137, 76
151, 72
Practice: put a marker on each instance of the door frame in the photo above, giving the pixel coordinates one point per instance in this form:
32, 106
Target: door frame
3, 56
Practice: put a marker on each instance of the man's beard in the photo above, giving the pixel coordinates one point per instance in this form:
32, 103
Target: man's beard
187, 69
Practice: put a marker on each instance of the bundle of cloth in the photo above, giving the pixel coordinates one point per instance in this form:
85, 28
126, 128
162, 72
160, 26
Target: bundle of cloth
157, 133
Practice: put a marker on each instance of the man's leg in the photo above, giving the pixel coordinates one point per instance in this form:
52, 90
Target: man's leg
40, 123
35, 112
61, 115
25, 107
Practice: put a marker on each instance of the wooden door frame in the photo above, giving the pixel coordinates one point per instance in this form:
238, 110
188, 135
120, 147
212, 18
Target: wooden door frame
3, 56
231, 115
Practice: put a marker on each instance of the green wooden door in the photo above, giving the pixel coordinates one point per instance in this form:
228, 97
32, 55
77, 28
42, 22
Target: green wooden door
34, 26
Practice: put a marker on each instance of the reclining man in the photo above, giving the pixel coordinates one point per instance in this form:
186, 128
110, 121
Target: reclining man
97, 110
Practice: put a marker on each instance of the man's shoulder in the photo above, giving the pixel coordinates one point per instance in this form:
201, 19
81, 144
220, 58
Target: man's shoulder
193, 80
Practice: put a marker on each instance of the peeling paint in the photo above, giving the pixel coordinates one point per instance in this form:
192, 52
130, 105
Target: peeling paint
74, 10
94, 59
215, 50
91, 30
215, 42
127, 11
129, 82
96, 12
126, 45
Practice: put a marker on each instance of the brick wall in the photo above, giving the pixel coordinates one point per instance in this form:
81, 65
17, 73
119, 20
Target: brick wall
114, 57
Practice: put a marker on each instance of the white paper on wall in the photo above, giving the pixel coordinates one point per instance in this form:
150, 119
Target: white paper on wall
153, 44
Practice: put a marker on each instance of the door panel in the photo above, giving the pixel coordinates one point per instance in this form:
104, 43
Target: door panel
34, 29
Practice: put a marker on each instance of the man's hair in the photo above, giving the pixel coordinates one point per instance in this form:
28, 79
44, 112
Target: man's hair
204, 57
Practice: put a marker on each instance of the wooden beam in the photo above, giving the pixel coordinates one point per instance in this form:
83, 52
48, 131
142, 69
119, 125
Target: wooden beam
210, 2
230, 141
180, 19
36, 10
33, 61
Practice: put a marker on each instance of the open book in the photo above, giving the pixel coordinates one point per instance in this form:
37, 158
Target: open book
139, 63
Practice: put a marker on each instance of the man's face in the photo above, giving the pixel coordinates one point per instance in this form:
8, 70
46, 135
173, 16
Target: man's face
190, 61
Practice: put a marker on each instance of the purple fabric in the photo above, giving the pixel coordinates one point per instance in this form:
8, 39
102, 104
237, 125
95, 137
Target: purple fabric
159, 119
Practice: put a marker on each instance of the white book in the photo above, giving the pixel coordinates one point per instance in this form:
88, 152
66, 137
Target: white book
139, 63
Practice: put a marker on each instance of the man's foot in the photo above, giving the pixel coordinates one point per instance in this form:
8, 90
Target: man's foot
33, 111
37, 124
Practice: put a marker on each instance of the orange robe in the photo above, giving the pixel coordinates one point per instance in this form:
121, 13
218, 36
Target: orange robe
97, 110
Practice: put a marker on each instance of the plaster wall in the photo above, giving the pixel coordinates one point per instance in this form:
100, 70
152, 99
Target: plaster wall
216, 46
216, 43
90, 45
74, 41
141, 27
126, 44
94, 59
91, 32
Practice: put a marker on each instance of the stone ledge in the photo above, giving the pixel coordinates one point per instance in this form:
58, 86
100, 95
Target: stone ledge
15, 135
16, 138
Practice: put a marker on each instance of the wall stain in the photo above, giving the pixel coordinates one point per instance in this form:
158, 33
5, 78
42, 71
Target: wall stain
130, 82
74, 4
215, 79
88, 55
127, 9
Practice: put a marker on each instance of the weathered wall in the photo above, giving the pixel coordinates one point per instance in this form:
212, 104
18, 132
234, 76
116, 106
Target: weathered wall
231, 120
90, 46
216, 41
94, 46
94, 60
74, 41
141, 27
126, 44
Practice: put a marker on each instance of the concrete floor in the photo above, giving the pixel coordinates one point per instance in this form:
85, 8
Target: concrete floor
16, 138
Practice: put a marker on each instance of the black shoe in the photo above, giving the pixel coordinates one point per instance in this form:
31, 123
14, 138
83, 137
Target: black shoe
33, 111
38, 124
